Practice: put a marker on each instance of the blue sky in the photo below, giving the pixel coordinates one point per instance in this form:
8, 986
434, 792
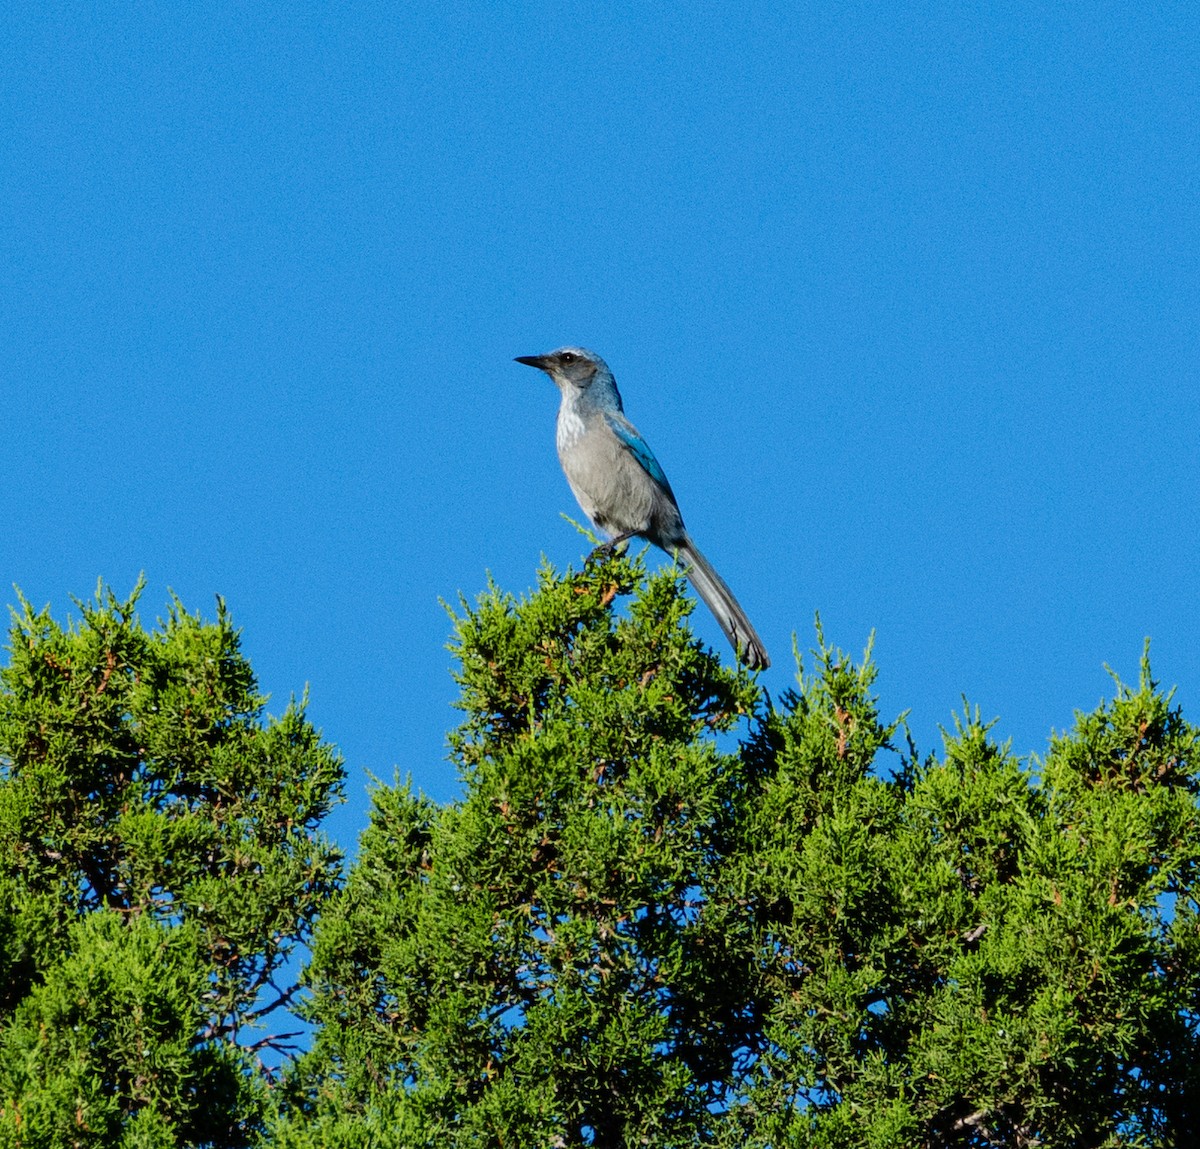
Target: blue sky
905, 298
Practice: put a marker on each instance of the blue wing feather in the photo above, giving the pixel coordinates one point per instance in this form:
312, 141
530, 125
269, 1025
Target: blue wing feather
639, 449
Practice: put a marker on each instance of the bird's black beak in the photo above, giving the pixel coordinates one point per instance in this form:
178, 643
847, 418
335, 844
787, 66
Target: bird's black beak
538, 361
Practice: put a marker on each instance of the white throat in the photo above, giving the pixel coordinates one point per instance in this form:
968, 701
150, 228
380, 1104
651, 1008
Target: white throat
570, 426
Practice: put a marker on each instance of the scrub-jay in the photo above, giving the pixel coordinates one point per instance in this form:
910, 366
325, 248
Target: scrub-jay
622, 488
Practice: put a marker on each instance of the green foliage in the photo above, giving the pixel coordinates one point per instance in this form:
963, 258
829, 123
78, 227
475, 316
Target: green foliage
533, 965
631, 930
665, 911
158, 863
104, 1051
971, 953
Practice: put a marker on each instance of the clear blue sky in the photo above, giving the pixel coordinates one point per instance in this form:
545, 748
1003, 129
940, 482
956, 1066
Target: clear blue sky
905, 297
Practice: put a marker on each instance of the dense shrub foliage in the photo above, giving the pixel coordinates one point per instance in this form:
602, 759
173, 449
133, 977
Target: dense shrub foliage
159, 862
665, 911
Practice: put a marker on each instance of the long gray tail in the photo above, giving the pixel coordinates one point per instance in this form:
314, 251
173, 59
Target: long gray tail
711, 587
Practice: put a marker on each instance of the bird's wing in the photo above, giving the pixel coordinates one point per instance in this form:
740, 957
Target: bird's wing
636, 445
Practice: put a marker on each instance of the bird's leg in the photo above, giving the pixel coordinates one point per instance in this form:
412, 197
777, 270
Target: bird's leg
607, 548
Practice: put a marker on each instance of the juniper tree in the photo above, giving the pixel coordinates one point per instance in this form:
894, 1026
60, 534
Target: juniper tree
666, 911
537, 963
159, 862
975, 951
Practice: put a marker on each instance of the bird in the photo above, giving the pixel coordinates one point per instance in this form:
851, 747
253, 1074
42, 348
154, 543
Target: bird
621, 487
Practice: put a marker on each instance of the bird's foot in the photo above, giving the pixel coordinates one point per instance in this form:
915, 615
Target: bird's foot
604, 550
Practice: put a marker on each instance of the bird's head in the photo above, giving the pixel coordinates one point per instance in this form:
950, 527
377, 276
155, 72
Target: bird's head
575, 366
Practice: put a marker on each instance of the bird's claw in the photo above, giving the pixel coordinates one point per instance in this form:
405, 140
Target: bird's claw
606, 550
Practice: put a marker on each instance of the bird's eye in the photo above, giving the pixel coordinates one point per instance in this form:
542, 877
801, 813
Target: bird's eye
569, 357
